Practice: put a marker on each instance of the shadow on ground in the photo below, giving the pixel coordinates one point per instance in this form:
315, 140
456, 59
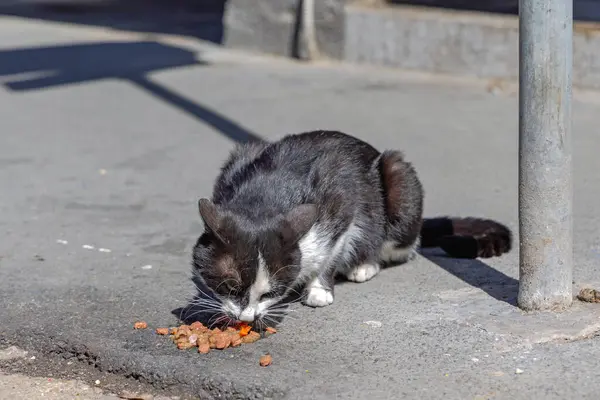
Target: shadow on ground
473, 272
477, 274
202, 19
38, 68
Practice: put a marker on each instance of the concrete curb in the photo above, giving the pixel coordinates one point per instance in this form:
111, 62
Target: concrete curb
425, 39
454, 42
433, 40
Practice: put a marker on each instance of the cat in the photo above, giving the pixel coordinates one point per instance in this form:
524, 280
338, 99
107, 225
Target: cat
289, 216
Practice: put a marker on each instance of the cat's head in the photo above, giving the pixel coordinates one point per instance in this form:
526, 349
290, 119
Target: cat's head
251, 267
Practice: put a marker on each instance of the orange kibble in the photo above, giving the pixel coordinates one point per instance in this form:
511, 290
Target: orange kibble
251, 337
265, 360
245, 330
140, 325
197, 326
182, 333
205, 339
185, 344
222, 341
204, 348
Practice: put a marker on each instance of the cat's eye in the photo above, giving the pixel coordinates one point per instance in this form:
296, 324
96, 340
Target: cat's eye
226, 289
268, 295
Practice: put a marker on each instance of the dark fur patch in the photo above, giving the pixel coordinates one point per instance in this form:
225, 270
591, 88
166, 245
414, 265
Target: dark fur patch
403, 197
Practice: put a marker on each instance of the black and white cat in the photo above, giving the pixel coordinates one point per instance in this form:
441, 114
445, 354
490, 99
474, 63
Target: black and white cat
291, 215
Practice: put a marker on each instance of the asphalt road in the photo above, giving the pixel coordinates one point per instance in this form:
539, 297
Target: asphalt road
107, 141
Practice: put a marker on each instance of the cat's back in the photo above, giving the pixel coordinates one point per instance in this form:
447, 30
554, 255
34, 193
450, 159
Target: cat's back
332, 145
297, 167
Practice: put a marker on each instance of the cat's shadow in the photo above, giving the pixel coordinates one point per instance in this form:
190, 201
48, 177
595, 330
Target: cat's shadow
477, 274
472, 271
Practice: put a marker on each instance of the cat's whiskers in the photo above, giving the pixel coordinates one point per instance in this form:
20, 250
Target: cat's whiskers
280, 314
206, 296
205, 305
205, 308
219, 319
274, 322
188, 316
286, 266
224, 281
200, 301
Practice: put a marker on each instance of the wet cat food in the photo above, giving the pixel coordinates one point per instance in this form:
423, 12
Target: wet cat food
140, 325
265, 360
205, 339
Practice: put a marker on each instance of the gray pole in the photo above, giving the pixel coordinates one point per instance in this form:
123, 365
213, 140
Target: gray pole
545, 183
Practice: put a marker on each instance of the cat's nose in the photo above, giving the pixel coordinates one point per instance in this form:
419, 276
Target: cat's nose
248, 314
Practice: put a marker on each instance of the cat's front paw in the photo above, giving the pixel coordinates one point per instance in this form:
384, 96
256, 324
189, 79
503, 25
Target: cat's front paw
318, 297
363, 272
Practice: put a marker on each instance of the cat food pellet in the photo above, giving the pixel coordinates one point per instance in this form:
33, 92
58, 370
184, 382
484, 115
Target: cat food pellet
203, 338
251, 337
140, 325
271, 330
184, 344
162, 331
193, 339
265, 360
244, 330
223, 341
203, 348
197, 326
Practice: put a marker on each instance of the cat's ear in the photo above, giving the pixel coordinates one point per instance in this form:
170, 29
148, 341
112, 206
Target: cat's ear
298, 222
211, 216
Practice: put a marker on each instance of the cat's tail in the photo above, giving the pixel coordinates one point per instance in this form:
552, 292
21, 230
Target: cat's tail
466, 237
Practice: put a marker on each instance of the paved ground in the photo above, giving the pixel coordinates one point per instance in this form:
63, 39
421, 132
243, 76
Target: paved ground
23, 387
109, 139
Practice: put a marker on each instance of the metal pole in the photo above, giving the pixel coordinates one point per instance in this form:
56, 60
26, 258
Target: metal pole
309, 29
545, 183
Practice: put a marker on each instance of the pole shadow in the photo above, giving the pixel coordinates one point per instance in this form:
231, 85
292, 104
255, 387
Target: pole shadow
39, 68
221, 123
477, 274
